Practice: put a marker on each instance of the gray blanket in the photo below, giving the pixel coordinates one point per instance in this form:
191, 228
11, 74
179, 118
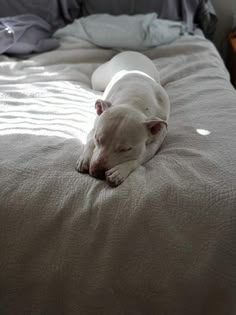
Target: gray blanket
25, 34
56, 12
164, 242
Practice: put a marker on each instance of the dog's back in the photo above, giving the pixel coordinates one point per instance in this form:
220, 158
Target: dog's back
125, 61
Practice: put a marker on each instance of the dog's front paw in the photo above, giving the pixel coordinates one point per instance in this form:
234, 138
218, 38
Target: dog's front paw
114, 177
119, 173
82, 164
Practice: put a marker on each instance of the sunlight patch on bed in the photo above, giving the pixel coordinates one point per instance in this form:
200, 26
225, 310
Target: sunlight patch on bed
51, 113
203, 132
40, 132
64, 130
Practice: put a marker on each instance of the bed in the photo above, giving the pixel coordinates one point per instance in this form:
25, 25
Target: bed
163, 242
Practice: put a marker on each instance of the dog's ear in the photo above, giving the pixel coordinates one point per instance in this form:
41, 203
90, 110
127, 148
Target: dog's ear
154, 125
101, 105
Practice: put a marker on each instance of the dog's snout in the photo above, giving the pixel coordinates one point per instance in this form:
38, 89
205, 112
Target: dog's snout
98, 169
98, 173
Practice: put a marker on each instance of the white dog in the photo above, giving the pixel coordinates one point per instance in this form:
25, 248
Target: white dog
132, 118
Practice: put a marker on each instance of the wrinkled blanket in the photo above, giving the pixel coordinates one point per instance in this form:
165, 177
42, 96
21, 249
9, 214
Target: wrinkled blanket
164, 242
25, 34
56, 12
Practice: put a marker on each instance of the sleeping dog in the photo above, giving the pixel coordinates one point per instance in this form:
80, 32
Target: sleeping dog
132, 118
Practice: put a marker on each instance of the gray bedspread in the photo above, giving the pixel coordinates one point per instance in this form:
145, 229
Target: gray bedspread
164, 242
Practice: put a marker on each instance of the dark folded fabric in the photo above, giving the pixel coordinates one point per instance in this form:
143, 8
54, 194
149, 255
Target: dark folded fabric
206, 18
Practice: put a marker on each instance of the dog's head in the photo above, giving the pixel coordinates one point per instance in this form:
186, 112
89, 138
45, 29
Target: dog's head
121, 134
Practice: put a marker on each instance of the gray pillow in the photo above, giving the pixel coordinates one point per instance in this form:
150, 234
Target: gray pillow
188, 11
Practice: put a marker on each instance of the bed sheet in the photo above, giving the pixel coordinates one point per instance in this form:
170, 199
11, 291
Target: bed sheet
163, 242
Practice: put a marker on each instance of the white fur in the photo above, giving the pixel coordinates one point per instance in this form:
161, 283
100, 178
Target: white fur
132, 118
128, 61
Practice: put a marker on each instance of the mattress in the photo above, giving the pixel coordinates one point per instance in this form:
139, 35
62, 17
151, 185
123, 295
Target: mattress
164, 241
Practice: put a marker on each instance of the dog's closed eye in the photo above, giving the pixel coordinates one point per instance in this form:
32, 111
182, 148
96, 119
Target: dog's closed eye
123, 149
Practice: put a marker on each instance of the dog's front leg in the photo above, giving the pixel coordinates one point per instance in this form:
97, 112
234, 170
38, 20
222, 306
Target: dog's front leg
83, 162
120, 172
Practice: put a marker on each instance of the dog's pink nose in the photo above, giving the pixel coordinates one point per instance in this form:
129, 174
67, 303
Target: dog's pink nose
98, 173
98, 170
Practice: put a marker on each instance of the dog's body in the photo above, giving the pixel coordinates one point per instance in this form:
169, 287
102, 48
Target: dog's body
128, 61
132, 118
